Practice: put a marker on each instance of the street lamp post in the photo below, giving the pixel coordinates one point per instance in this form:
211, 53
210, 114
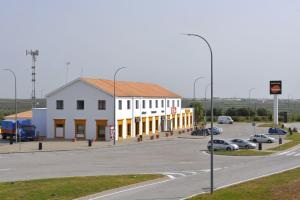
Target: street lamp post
205, 102
194, 96
16, 117
115, 102
211, 111
289, 111
249, 103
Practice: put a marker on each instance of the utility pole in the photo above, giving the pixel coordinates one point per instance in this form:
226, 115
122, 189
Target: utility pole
34, 54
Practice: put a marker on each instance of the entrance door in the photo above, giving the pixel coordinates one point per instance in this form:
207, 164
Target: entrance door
100, 132
120, 129
128, 128
162, 123
150, 126
137, 126
59, 128
80, 128
144, 125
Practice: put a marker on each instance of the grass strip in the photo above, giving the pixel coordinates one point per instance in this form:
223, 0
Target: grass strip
242, 152
67, 188
294, 141
276, 187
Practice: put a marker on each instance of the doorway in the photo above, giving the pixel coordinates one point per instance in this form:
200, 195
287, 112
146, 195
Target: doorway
100, 130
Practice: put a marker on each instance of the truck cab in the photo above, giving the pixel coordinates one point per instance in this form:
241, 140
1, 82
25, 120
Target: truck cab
26, 130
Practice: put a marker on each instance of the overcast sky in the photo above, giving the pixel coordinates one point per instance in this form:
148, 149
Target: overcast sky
252, 41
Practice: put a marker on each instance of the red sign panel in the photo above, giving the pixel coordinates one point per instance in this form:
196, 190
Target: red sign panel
275, 87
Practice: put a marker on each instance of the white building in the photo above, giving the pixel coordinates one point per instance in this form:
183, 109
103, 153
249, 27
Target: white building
83, 109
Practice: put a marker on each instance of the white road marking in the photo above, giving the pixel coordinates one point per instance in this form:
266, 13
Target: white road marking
170, 176
238, 182
130, 189
285, 152
5, 169
189, 172
298, 154
175, 173
289, 154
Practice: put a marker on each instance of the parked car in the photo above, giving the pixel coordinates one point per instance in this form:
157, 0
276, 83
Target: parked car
262, 138
244, 143
277, 131
222, 145
216, 130
225, 120
201, 132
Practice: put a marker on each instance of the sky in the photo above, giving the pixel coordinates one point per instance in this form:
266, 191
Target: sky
253, 42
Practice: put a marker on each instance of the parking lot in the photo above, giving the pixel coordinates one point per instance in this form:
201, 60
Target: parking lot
230, 131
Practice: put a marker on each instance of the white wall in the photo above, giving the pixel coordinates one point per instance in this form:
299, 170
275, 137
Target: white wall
39, 119
79, 91
82, 91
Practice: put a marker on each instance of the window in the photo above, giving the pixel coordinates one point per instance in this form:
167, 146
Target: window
120, 105
173, 103
162, 103
101, 105
177, 103
128, 104
168, 103
144, 104
80, 105
59, 104
156, 103
137, 104
150, 103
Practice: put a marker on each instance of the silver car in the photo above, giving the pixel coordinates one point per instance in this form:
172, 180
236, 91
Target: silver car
222, 145
245, 144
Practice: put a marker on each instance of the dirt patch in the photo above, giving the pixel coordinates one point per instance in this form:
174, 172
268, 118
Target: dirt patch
289, 191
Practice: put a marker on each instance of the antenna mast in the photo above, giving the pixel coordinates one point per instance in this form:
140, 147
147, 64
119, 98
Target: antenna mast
34, 54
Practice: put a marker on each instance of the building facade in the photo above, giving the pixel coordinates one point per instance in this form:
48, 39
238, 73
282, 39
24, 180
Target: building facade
84, 109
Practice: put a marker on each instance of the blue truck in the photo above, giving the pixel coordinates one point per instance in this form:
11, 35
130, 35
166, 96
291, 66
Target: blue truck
26, 130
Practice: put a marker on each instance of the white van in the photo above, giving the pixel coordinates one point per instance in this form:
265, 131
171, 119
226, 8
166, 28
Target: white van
225, 120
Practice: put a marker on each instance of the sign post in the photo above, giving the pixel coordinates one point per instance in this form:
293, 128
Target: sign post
275, 89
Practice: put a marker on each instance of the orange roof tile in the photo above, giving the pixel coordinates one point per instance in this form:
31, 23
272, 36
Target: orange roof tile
130, 89
26, 114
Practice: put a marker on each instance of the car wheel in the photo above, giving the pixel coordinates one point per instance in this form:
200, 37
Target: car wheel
228, 149
255, 140
269, 141
247, 147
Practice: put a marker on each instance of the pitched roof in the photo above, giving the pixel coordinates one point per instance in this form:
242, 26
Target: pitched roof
130, 89
24, 115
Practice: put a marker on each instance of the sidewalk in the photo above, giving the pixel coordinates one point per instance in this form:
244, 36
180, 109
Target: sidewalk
66, 145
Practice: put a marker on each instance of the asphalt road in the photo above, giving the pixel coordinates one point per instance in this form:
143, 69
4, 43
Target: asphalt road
183, 160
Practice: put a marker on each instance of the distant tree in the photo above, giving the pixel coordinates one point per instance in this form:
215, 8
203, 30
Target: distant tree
262, 112
242, 112
217, 112
231, 112
198, 109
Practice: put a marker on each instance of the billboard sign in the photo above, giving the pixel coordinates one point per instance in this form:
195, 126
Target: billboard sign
275, 87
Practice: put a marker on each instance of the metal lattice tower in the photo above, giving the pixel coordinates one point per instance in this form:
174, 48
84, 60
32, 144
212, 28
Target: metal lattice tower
34, 54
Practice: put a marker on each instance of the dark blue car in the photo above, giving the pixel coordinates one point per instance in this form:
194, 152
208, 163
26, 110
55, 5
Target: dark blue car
277, 131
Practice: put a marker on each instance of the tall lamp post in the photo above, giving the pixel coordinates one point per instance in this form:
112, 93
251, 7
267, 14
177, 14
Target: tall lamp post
249, 104
205, 102
16, 117
289, 111
194, 95
115, 101
211, 111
